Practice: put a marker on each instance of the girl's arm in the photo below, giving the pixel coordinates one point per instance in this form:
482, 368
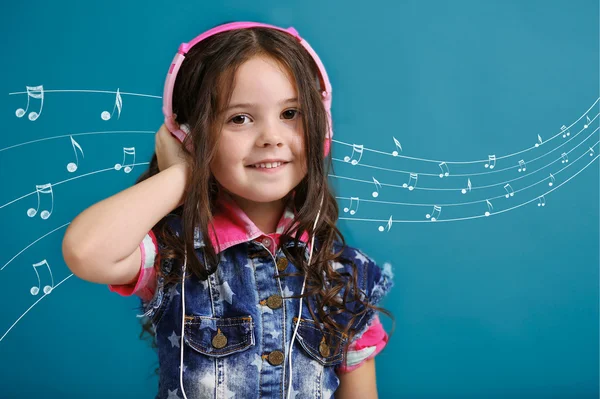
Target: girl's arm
102, 243
359, 383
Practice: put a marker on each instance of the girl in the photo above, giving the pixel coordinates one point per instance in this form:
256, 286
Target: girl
230, 237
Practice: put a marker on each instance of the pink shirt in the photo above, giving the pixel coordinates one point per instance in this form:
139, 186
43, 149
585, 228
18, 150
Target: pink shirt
233, 227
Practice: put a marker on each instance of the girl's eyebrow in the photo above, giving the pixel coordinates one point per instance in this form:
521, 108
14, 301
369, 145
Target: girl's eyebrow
250, 105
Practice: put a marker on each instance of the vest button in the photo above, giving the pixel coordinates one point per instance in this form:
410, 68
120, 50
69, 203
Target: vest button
324, 348
282, 264
219, 341
274, 301
276, 358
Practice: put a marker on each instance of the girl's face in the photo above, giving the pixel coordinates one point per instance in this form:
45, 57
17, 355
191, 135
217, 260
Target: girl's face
261, 123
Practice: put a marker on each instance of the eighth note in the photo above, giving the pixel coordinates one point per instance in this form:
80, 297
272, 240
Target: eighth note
509, 191
413, 178
591, 152
539, 141
395, 153
72, 167
118, 104
491, 162
588, 122
444, 172
356, 148
389, 225
464, 191
437, 210
550, 183
127, 168
542, 201
490, 208
36, 92
377, 187
43, 189
352, 211
48, 288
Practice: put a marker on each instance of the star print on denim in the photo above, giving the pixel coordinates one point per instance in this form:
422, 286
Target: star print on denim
174, 338
225, 293
257, 362
360, 256
173, 394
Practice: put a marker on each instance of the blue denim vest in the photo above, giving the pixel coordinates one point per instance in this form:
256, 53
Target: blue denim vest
238, 326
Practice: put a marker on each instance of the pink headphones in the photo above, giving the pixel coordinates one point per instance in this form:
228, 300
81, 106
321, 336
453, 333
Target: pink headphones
181, 131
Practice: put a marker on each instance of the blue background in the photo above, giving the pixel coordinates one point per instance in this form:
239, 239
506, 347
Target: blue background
500, 306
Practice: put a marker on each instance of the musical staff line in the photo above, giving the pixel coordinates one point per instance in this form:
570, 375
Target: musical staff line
476, 216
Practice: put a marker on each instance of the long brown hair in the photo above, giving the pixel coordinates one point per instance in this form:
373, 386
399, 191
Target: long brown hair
203, 87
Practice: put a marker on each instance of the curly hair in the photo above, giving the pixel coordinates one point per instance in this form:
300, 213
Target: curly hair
203, 88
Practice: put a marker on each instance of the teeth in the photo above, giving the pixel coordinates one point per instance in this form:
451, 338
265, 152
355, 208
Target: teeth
268, 165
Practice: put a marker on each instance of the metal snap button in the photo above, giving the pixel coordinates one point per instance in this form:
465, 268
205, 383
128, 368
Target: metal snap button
274, 301
324, 348
275, 358
266, 242
282, 264
219, 341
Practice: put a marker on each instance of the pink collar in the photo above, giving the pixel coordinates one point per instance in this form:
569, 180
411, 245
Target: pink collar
233, 226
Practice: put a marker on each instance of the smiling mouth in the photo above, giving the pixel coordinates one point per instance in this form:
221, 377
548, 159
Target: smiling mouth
268, 166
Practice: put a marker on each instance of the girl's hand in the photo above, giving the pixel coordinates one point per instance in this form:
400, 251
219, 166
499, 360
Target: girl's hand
169, 150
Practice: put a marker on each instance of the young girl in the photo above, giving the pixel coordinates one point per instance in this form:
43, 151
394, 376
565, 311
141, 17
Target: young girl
229, 238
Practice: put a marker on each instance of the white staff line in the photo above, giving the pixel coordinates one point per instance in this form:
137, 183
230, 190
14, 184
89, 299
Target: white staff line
472, 217
91, 91
35, 303
471, 162
79, 134
474, 188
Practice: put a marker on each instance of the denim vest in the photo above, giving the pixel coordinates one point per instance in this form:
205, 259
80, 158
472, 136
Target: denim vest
239, 324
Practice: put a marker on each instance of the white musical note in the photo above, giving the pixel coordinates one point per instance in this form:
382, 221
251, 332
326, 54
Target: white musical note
553, 180
522, 166
539, 141
565, 157
491, 162
42, 189
353, 211
542, 201
464, 191
509, 191
490, 208
377, 187
36, 92
413, 178
389, 225
397, 143
588, 122
118, 104
562, 129
72, 167
356, 148
127, 168
48, 288
444, 172
437, 210
591, 152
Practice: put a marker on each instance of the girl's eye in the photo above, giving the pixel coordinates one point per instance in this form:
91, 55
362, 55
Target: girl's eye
291, 113
238, 118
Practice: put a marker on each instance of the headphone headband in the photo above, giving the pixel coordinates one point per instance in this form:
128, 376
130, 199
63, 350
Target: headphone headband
180, 131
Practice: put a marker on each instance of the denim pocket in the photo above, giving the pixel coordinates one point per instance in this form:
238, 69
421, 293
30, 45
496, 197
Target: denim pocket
219, 336
321, 345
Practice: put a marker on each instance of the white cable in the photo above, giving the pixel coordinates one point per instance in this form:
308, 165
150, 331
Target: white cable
182, 324
312, 242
